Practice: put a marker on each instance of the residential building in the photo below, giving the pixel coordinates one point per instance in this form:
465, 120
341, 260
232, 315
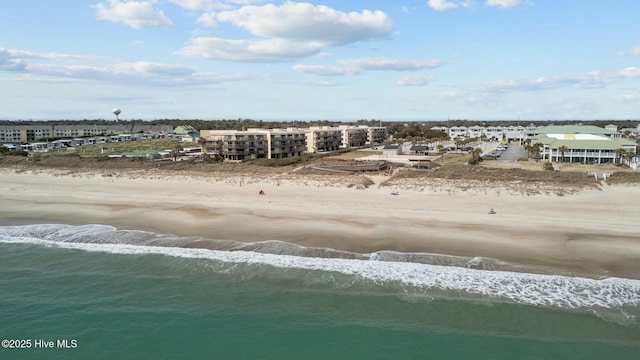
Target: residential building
353, 136
256, 143
580, 144
323, 138
287, 143
376, 135
185, 130
237, 145
499, 133
283, 143
32, 133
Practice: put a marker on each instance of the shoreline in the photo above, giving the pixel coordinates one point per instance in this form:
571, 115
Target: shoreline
589, 233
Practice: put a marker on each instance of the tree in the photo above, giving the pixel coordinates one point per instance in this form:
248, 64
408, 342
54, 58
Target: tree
475, 156
441, 151
562, 149
620, 153
203, 144
176, 151
527, 146
535, 148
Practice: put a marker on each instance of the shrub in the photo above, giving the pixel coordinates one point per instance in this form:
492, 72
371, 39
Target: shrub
547, 166
5, 151
281, 162
523, 159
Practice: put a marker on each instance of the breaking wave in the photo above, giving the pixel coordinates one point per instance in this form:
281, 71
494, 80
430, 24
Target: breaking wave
428, 275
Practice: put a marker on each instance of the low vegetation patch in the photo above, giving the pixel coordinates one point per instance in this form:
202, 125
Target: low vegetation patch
298, 160
490, 175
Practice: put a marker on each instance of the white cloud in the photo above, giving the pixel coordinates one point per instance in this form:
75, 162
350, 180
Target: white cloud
286, 32
273, 50
358, 65
208, 19
633, 51
385, 63
16, 60
323, 70
307, 22
503, 3
412, 80
408, 10
143, 68
442, 5
589, 80
194, 4
628, 97
23, 54
206, 5
143, 73
630, 72
136, 14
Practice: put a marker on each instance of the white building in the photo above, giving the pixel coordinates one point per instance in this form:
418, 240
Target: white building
581, 144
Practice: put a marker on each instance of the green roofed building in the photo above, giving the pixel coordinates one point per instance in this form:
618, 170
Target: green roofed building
581, 144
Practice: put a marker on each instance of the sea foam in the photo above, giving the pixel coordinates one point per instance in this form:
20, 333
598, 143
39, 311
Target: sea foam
532, 289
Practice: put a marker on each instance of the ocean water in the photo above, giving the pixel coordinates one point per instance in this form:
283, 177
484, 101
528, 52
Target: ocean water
95, 292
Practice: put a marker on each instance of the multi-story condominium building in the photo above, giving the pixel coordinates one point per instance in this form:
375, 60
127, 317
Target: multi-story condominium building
283, 143
32, 133
237, 145
580, 144
255, 143
376, 135
328, 138
287, 143
500, 133
323, 138
354, 136
12, 135
24, 133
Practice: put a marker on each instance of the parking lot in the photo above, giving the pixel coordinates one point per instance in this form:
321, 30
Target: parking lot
513, 152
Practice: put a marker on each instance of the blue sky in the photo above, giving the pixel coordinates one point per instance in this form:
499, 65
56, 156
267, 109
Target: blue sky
334, 60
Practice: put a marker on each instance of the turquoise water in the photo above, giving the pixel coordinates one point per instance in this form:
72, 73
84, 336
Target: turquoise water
122, 294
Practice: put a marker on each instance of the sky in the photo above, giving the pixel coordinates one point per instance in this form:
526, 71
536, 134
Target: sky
393, 60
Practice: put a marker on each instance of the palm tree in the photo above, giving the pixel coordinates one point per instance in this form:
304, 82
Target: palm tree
475, 155
535, 148
203, 144
441, 151
527, 146
562, 149
620, 153
175, 152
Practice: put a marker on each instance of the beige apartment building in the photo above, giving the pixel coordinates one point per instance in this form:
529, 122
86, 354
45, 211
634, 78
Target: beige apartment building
251, 144
354, 136
376, 135
283, 143
323, 138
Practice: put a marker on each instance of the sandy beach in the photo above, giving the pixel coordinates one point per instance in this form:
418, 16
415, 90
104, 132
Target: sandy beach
591, 232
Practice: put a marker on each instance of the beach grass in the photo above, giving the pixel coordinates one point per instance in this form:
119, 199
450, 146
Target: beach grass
142, 146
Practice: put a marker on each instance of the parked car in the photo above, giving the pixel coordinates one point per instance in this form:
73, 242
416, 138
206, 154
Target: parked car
491, 156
